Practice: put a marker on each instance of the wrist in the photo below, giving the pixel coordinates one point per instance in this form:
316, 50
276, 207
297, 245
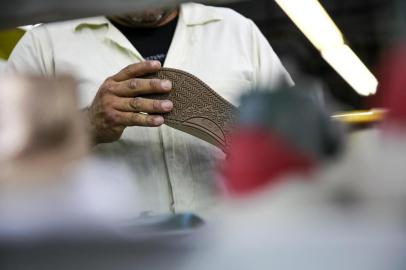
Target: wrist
90, 128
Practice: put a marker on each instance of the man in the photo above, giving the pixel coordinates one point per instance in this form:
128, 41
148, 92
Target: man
224, 49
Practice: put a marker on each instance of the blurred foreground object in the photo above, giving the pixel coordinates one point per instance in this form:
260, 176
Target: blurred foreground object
361, 117
280, 133
83, 198
382, 152
313, 225
23, 12
63, 209
47, 180
393, 83
347, 215
40, 127
103, 250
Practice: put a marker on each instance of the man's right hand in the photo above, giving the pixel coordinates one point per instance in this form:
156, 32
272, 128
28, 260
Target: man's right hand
117, 104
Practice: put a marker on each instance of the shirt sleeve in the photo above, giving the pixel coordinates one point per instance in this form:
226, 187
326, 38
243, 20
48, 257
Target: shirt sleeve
33, 54
269, 71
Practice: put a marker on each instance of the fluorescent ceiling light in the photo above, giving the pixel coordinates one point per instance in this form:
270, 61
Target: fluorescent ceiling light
313, 21
311, 18
350, 67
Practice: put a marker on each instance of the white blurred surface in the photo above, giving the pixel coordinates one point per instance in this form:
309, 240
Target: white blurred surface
48, 183
349, 215
92, 192
40, 126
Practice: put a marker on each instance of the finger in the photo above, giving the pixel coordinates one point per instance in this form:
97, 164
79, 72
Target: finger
129, 119
137, 70
145, 105
136, 87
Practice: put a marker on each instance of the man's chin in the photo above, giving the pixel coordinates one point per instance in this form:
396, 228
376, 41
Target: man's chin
150, 18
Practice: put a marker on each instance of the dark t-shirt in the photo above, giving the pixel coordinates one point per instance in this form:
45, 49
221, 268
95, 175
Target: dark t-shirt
151, 43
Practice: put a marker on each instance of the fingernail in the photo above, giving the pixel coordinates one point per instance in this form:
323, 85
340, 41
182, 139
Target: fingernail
155, 64
167, 105
158, 120
167, 85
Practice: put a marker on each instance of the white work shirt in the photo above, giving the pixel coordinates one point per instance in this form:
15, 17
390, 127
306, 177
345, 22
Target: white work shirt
218, 45
2, 65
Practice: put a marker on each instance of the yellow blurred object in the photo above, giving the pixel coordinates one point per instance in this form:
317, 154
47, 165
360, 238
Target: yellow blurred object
361, 117
8, 40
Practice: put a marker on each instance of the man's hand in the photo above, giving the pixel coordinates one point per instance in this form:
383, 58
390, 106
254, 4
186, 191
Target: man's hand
117, 105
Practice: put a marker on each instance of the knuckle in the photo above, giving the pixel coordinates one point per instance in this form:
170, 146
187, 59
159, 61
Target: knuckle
109, 87
103, 94
136, 119
128, 70
111, 117
107, 103
133, 83
136, 103
149, 121
109, 79
156, 105
155, 83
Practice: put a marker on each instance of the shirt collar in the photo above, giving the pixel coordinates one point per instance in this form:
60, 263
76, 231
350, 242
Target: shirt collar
90, 23
190, 13
198, 14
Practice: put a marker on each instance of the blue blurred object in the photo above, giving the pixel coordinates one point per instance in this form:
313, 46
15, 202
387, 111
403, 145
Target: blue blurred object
294, 116
163, 224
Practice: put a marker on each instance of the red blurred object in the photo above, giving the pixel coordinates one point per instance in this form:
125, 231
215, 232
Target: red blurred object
258, 158
392, 84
